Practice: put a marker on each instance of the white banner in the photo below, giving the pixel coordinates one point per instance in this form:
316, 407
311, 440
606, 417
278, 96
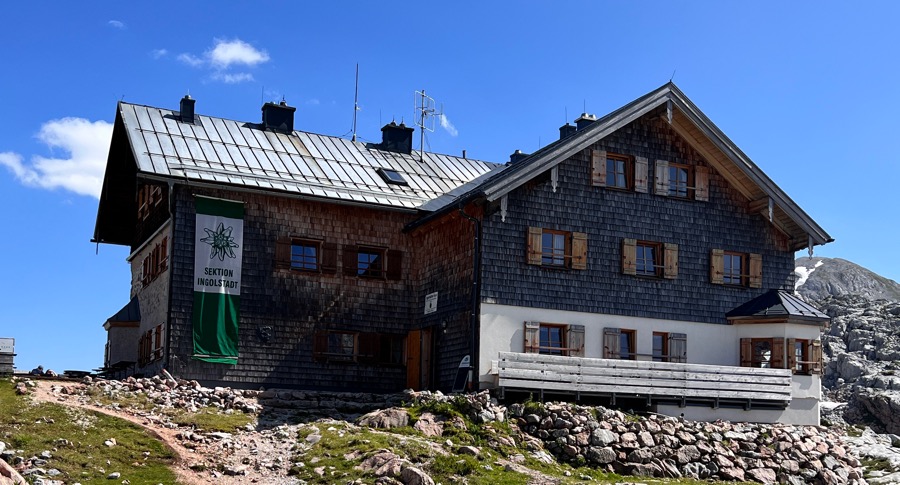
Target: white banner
218, 252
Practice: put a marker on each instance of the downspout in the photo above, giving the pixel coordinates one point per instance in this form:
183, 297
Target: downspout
167, 364
476, 301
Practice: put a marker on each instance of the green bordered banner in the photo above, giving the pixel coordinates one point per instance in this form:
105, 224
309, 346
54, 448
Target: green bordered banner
218, 251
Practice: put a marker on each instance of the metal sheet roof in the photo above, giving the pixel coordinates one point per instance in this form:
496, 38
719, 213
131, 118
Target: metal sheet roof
233, 152
777, 303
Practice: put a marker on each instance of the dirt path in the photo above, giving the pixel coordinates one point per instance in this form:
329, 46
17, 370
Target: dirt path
248, 452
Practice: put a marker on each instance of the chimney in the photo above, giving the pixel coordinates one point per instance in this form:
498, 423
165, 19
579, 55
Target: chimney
396, 138
584, 121
566, 130
187, 109
278, 117
516, 156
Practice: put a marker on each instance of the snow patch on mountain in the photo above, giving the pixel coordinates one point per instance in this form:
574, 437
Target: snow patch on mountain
803, 273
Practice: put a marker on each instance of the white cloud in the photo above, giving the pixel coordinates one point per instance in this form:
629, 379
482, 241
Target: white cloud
117, 24
232, 78
313, 102
158, 53
227, 52
448, 126
83, 142
190, 60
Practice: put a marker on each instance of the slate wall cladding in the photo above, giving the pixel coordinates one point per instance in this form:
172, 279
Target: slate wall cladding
608, 216
444, 263
282, 309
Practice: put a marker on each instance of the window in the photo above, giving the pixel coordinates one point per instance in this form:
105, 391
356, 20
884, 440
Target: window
363, 348
648, 259
617, 173
554, 248
733, 269
150, 345
554, 339
762, 352
305, 255
800, 356
149, 196
660, 347
155, 262
679, 180
369, 263
392, 176
557, 249
626, 344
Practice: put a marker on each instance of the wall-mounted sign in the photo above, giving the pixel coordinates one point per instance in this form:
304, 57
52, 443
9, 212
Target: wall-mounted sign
7, 345
431, 303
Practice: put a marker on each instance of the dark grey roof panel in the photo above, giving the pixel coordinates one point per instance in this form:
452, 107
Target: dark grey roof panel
776, 303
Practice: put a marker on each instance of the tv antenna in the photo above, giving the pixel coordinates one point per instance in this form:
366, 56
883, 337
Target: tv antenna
355, 103
425, 116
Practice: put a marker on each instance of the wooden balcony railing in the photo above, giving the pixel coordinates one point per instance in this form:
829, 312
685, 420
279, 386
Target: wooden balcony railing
646, 379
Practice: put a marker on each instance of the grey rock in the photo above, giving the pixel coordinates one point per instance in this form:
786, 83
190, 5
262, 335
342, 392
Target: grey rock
414, 476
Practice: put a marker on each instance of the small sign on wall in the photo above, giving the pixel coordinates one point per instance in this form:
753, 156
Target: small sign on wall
431, 303
7, 345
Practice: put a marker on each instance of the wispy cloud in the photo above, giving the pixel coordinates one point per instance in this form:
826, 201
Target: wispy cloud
225, 54
84, 145
448, 126
158, 53
228, 52
313, 102
232, 78
117, 24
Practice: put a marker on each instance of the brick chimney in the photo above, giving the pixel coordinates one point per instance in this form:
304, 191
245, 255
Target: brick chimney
278, 117
396, 138
566, 130
187, 109
517, 155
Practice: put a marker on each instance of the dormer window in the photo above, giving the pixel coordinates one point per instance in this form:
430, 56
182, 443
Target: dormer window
392, 176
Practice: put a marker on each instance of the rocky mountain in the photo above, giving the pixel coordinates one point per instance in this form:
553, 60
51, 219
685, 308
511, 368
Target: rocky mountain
819, 278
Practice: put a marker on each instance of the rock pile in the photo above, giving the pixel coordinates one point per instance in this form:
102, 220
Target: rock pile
658, 446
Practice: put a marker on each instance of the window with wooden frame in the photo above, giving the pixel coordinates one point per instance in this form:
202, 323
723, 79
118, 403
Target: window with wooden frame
619, 343
763, 352
648, 258
805, 356
617, 171
557, 249
681, 180
335, 346
149, 196
155, 262
305, 255
373, 262
660, 347
381, 348
554, 339
735, 269
157, 342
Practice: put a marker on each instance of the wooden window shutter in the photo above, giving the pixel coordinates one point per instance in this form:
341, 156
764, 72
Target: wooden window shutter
755, 271
611, 343
351, 260
532, 337
815, 356
575, 335
629, 254
641, 174
329, 258
701, 183
534, 245
792, 355
368, 347
662, 178
283, 252
678, 347
746, 352
320, 346
579, 250
598, 168
717, 267
394, 264
670, 261
778, 353
164, 254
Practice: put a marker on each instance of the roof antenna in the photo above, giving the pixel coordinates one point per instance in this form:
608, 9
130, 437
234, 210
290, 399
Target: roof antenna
425, 120
355, 102
262, 95
673, 74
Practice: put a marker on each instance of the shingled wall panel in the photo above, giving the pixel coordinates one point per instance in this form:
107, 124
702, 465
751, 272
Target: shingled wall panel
281, 309
608, 216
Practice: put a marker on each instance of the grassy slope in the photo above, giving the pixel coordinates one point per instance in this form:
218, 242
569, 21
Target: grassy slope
34, 428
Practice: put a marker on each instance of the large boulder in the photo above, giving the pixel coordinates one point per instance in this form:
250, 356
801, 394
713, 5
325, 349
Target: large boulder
385, 418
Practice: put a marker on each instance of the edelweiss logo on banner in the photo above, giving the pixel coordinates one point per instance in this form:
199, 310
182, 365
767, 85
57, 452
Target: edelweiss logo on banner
220, 241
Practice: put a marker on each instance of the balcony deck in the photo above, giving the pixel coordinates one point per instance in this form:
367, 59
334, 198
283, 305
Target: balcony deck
655, 381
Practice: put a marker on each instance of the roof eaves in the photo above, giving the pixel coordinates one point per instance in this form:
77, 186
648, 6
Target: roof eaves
748, 167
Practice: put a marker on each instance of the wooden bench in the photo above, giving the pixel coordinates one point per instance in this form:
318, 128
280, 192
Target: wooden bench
647, 379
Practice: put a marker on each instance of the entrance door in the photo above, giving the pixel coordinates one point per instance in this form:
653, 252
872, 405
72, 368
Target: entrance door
418, 359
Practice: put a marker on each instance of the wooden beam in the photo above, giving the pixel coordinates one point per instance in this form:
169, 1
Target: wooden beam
711, 158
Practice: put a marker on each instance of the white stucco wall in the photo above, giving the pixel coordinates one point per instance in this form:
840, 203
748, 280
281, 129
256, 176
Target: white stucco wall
502, 330
153, 298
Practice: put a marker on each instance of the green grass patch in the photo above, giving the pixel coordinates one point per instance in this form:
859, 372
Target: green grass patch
211, 419
34, 428
876, 464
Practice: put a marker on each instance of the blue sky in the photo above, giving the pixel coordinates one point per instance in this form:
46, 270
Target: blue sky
807, 89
